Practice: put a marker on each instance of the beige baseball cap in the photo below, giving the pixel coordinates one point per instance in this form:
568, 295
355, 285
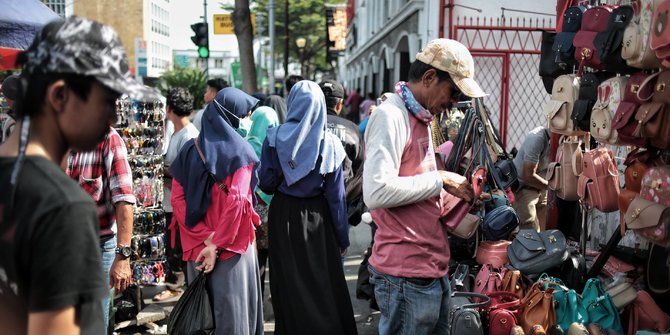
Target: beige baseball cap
454, 58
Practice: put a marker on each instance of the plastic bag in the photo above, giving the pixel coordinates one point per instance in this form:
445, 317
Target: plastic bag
192, 315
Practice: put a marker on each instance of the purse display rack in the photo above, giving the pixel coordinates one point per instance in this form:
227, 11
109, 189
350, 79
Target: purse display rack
141, 125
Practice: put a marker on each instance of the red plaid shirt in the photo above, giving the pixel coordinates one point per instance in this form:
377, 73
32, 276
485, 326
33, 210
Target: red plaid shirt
105, 174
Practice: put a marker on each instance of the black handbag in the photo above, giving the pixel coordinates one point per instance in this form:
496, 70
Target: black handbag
588, 94
550, 65
609, 43
464, 315
572, 18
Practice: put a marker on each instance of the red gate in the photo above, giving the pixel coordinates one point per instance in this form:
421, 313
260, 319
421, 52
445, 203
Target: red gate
507, 56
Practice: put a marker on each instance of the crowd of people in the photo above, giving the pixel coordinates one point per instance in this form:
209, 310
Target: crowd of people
250, 181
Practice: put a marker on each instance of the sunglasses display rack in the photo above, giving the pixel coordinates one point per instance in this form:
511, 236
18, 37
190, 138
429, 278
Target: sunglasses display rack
142, 125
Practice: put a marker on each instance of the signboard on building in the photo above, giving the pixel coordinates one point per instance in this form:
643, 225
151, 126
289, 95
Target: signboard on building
223, 24
141, 57
336, 20
235, 75
181, 61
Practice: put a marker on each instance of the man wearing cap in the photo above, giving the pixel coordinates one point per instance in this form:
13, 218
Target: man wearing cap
403, 188
51, 277
348, 134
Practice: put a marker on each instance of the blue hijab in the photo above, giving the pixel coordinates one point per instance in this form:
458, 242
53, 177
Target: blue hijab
303, 138
235, 103
225, 152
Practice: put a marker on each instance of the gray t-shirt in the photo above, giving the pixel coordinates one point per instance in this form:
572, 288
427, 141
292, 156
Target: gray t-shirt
535, 149
177, 141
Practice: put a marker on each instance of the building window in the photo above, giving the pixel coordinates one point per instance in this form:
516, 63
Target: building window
58, 6
218, 62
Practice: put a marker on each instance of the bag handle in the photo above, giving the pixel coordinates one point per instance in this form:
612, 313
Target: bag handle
514, 303
645, 82
484, 300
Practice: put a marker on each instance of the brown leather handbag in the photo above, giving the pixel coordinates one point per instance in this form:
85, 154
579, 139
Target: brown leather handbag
513, 282
624, 118
637, 163
649, 220
537, 308
653, 118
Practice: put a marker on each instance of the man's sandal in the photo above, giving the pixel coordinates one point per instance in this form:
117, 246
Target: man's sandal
167, 294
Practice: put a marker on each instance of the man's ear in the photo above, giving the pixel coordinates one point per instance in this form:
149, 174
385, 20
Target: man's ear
56, 96
338, 107
428, 77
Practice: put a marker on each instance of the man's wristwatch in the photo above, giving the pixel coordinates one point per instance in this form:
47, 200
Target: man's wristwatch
124, 250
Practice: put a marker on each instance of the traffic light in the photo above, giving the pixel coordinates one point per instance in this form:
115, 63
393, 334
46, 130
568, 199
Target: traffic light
201, 38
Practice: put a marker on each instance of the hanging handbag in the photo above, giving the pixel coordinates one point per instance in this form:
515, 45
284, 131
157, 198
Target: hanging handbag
636, 50
649, 213
594, 21
499, 223
551, 65
638, 91
493, 252
598, 185
660, 34
654, 117
533, 253
455, 210
537, 308
637, 164
622, 294
559, 109
464, 317
646, 315
501, 314
608, 43
588, 94
599, 306
560, 175
610, 94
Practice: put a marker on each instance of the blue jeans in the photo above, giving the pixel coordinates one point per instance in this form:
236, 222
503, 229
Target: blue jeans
411, 305
108, 253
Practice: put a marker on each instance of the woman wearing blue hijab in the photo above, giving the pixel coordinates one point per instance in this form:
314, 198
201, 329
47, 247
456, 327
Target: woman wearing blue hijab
214, 178
301, 164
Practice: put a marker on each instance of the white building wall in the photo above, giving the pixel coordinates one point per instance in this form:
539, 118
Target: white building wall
157, 35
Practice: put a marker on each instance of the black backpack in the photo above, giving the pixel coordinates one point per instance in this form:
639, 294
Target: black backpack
588, 95
609, 43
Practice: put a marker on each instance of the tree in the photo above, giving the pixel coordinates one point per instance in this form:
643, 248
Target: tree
307, 20
194, 80
244, 33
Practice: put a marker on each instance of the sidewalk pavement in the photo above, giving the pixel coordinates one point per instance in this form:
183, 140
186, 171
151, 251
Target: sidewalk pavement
366, 319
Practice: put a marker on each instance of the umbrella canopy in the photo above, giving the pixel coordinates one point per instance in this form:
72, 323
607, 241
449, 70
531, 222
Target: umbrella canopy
20, 20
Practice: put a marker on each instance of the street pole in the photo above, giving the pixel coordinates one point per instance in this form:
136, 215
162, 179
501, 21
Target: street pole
286, 42
204, 19
271, 25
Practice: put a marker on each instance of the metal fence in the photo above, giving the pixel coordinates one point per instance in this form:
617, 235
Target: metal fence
507, 56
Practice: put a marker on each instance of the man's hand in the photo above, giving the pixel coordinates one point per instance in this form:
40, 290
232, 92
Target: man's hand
457, 185
120, 274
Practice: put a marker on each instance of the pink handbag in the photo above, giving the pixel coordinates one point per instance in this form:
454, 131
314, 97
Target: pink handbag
488, 280
493, 252
598, 185
646, 315
454, 209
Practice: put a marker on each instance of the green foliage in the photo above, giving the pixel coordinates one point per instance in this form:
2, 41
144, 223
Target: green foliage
307, 19
194, 80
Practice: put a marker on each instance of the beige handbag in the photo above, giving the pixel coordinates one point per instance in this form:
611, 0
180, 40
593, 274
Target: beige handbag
622, 295
559, 109
562, 180
467, 227
610, 94
636, 50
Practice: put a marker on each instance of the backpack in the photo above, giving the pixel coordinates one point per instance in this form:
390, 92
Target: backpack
588, 94
624, 122
660, 34
636, 50
598, 185
610, 94
608, 43
464, 316
560, 176
559, 109
594, 21
562, 48
653, 117
649, 212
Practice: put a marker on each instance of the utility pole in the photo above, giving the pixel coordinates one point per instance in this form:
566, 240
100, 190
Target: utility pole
271, 26
204, 19
286, 43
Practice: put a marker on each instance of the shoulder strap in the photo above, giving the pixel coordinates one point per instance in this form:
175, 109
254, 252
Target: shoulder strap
221, 185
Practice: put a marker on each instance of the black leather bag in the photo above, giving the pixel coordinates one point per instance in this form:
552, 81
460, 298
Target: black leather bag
572, 19
564, 51
609, 43
588, 94
551, 64
572, 271
464, 315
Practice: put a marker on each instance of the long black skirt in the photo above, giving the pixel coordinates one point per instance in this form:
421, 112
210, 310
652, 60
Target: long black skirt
309, 291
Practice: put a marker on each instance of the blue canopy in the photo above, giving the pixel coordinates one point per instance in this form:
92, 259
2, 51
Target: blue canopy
20, 20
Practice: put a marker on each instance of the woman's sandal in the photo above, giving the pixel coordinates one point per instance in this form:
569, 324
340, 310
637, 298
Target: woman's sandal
167, 294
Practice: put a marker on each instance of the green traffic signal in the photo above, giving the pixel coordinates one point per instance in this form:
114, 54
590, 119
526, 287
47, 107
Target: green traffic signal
201, 38
203, 52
